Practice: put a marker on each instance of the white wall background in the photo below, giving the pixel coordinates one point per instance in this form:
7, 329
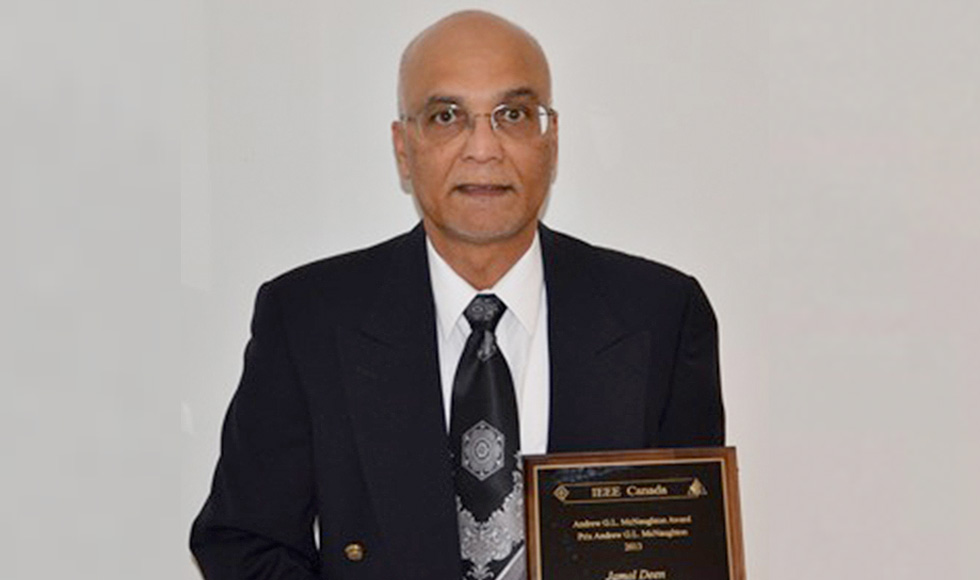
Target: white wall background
813, 163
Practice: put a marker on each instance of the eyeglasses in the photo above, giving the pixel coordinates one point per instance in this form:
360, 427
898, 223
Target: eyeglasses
440, 122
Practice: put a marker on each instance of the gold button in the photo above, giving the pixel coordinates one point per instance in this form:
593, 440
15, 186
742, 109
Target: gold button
354, 551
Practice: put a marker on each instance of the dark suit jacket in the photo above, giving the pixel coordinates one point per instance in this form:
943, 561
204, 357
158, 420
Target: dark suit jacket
339, 414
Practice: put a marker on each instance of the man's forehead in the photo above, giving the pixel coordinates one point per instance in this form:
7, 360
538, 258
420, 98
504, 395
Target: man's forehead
476, 56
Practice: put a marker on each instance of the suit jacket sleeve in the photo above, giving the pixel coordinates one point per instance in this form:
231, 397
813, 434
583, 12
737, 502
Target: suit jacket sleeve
257, 521
693, 415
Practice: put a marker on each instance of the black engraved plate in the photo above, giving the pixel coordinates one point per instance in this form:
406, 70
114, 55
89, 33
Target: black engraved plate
634, 515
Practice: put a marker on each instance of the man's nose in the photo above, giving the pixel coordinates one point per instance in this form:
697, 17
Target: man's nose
482, 140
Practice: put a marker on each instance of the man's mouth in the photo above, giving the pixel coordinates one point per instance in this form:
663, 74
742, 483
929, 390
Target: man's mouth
483, 188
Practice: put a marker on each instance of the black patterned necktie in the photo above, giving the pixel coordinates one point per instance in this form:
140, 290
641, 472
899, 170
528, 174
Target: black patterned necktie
485, 442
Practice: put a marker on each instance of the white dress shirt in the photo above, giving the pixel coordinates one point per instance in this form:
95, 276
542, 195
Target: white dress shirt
522, 335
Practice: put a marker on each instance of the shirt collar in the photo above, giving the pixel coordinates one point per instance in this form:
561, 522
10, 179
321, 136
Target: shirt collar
520, 288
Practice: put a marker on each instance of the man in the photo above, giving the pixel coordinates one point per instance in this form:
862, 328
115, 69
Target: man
387, 393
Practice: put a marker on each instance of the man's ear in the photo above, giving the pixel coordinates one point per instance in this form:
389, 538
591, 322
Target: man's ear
554, 149
398, 142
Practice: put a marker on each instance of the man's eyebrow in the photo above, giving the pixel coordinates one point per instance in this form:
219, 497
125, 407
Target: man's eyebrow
442, 100
520, 92
516, 93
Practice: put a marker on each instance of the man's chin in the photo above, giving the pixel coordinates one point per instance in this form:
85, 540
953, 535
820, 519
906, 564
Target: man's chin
488, 234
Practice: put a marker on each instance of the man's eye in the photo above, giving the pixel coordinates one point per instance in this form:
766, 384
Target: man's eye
513, 114
444, 117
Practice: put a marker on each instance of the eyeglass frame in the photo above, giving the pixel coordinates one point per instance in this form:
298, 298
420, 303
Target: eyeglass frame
545, 110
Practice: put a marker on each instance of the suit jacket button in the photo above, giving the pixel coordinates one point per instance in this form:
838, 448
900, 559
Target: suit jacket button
354, 551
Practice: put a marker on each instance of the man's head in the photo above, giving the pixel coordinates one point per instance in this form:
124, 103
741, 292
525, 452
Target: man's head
475, 184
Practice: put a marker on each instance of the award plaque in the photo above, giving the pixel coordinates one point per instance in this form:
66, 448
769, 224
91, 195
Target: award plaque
633, 515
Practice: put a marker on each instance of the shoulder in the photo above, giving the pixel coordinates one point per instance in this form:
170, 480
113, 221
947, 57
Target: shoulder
346, 282
614, 267
637, 287
347, 267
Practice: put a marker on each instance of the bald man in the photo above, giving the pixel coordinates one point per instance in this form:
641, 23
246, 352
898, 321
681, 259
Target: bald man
343, 453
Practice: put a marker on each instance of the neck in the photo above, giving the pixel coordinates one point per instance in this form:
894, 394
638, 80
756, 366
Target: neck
481, 264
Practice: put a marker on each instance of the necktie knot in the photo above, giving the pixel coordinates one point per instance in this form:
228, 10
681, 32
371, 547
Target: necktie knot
484, 312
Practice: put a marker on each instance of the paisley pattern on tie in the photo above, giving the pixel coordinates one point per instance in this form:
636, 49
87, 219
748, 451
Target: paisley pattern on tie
488, 347
495, 539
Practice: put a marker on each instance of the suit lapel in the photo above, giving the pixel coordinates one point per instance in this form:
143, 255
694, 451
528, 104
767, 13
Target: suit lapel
599, 365
392, 384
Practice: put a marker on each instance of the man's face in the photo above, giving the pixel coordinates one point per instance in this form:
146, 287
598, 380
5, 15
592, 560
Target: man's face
479, 186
